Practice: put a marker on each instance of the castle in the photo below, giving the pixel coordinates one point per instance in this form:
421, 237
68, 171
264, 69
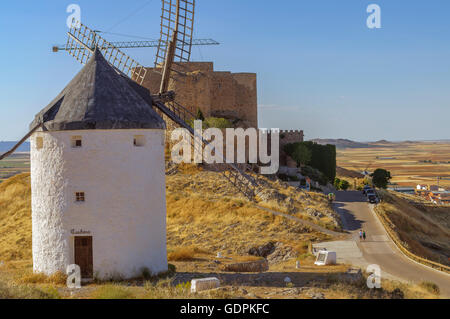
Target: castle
217, 94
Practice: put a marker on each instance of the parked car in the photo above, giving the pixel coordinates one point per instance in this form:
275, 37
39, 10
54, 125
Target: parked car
366, 188
373, 199
370, 192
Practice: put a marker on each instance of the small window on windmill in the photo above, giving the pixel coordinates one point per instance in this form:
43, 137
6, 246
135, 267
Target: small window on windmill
39, 142
76, 141
139, 140
79, 197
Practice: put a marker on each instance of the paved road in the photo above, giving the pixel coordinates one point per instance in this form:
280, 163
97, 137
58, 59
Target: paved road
378, 249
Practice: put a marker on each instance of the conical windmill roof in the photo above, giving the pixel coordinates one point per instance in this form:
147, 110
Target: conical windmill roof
98, 97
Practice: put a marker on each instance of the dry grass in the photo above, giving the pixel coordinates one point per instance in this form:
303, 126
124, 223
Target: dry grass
205, 215
184, 253
389, 290
57, 278
431, 287
10, 290
423, 231
15, 218
113, 291
205, 211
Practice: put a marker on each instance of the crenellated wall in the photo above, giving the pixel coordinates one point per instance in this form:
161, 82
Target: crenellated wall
291, 136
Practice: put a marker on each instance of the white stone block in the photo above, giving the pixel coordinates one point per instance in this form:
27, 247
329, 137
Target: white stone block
204, 284
325, 257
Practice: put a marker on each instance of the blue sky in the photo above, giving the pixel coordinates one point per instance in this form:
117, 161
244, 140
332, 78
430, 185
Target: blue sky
319, 67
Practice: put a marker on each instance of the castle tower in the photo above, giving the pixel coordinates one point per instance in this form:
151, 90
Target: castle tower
97, 178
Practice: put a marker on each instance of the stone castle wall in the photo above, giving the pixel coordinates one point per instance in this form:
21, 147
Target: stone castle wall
217, 94
288, 137
291, 136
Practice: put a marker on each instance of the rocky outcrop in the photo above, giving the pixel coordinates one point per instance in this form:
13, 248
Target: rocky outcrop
274, 252
250, 266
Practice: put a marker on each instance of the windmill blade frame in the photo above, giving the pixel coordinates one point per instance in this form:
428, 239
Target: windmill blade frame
175, 43
82, 41
81, 45
177, 16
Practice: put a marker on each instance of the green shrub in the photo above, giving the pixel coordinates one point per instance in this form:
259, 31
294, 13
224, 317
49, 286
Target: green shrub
337, 183
344, 185
217, 122
213, 122
321, 157
381, 178
314, 174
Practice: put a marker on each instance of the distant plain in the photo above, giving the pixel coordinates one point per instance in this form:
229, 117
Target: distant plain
410, 163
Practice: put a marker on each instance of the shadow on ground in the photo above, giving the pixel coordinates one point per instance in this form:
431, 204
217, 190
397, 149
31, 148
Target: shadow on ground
266, 279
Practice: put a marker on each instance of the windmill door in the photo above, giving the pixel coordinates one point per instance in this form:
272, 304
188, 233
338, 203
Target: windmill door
83, 256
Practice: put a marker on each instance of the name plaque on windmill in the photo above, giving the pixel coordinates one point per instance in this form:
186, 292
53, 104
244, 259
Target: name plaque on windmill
80, 232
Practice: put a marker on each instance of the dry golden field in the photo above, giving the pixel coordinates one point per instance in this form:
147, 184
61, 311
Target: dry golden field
205, 215
410, 163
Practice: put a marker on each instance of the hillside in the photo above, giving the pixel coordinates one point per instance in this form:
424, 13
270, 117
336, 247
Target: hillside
204, 216
15, 218
424, 229
206, 211
347, 173
200, 206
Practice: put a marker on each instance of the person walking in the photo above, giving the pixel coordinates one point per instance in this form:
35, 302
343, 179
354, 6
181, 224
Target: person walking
364, 235
360, 235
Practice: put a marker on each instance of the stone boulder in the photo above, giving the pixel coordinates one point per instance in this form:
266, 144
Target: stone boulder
262, 251
249, 266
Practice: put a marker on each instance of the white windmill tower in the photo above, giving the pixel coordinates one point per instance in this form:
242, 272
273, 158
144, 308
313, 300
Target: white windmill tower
97, 163
97, 178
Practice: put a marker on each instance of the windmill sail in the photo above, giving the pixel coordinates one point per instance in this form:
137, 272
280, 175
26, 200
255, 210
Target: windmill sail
15, 147
177, 16
87, 39
82, 41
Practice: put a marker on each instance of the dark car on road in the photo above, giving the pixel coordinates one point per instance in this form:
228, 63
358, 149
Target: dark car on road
365, 189
373, 199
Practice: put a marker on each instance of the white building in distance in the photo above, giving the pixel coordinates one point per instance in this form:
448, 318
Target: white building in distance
97, 178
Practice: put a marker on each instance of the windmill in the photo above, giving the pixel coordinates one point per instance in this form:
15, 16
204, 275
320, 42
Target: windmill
174, 48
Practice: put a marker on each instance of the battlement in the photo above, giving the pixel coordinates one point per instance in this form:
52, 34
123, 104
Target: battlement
291, 132
291, 136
